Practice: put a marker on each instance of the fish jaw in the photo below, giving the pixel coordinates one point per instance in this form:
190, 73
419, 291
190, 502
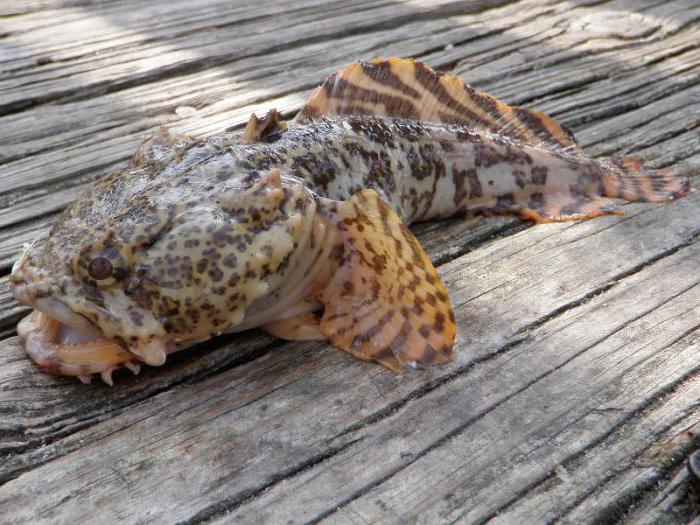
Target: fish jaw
42, 337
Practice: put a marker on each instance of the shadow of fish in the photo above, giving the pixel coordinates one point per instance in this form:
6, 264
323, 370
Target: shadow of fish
301, 228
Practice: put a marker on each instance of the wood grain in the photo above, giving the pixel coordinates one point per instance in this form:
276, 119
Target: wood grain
574, 395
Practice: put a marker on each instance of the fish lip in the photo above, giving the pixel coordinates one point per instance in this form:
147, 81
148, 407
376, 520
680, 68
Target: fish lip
57, 310
40, 330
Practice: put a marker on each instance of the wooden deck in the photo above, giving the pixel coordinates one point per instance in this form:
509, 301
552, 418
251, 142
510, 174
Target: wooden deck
575, 394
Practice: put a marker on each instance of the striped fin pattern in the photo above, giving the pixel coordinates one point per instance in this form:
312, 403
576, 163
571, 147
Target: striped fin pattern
627, 178
404, 88
386, 303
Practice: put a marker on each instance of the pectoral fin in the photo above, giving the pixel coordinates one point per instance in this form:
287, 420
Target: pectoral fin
386, 303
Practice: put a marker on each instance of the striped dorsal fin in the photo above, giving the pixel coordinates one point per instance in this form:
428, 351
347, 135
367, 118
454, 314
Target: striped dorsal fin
386, 303
404, 88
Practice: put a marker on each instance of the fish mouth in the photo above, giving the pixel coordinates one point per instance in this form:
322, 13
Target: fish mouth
63, 342
61, 350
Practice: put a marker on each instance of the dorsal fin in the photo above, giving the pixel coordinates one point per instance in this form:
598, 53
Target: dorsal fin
386, 303
266, 129
404, 88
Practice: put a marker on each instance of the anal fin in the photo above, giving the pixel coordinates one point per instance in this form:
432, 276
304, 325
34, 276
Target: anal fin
304, 327
565, 207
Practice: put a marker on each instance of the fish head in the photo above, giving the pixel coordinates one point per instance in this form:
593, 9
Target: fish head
149, 275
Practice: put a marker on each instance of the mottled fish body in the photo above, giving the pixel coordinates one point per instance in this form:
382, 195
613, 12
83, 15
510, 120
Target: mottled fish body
427, 171
301, 228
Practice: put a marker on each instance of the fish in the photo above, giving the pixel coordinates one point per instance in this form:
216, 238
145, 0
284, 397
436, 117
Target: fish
300, 228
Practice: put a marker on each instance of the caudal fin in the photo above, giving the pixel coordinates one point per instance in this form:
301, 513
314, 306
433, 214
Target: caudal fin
628, 179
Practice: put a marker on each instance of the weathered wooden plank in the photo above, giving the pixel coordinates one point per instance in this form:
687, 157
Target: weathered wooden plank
224, 91
131, 46
601, 483
606, 360
504, 455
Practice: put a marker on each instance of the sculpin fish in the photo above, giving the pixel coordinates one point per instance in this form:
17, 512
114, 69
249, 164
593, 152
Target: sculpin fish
300, 228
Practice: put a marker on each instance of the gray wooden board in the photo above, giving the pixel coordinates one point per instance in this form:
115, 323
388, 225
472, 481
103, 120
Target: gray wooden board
575, 393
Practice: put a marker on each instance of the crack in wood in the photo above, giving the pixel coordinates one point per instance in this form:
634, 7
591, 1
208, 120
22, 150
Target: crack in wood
606, 516
231, 503
106, 411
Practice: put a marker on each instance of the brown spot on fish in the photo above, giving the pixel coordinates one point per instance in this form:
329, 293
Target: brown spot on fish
520, 178
538, 175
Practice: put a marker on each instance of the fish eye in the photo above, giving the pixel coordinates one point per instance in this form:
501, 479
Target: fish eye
100, 268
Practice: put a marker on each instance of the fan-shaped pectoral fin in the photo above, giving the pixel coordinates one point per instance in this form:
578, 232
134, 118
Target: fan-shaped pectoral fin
386, 303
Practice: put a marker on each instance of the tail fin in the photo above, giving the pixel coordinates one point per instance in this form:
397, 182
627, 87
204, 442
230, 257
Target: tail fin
628, 179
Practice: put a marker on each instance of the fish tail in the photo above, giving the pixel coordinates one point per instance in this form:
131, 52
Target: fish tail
627, 178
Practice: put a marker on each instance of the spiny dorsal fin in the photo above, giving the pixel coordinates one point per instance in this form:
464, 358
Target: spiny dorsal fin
265, 129
160, 148
404, 88
386, 303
